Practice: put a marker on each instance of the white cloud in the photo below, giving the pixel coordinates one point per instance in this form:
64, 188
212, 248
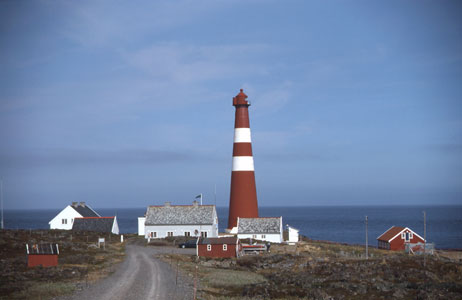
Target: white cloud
107, 23
187, 63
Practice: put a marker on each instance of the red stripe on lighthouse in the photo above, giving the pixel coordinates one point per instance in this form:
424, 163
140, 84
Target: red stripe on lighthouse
242, 149
243, 195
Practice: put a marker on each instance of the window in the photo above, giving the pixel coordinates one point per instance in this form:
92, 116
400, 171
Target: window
411, 236
209, 247
204, 234
254, 236
170, 233
407, 236
402, 235
64, 221
225, 247
187, 233
153, 234
263, 236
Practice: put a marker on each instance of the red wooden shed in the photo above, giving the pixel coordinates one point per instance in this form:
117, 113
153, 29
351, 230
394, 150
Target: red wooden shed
219, 247
45, 255
397, 237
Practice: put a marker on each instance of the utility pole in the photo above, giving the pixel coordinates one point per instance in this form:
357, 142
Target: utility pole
367, 246
425, 236
1, 198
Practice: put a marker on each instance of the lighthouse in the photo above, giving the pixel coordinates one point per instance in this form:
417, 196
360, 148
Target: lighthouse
243, 196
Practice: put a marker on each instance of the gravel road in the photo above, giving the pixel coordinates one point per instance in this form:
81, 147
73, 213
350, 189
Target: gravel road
141, 276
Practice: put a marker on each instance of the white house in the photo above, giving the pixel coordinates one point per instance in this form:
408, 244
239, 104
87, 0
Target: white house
293, 235
180, 220
98, 224
263, 229
65, 219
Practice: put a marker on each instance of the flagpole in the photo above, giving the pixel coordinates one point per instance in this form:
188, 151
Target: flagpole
201, 199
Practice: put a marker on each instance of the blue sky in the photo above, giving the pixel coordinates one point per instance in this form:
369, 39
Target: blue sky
126, 105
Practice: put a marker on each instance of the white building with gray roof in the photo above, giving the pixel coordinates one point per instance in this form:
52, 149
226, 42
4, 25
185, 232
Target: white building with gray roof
180, 220
263, 229
65, 218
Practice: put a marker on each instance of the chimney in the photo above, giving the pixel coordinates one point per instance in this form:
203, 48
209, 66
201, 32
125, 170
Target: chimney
82, 204
167, 204
243, 195
195, 203
75, 204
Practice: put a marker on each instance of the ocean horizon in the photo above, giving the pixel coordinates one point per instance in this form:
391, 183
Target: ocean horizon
343, 224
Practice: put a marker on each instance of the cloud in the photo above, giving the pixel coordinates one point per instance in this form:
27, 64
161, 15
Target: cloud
102, 23
272, 100
59, 157
181, 63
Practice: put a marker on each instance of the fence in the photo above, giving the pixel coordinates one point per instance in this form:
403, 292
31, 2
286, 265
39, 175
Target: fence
418, 248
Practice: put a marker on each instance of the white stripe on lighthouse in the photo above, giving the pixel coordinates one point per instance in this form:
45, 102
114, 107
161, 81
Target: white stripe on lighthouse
242, 135
243, 163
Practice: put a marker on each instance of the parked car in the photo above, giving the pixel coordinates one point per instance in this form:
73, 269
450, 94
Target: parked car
188, 244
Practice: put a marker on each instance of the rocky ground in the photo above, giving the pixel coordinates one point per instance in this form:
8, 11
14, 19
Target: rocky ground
80, 262
317, 270
310, 270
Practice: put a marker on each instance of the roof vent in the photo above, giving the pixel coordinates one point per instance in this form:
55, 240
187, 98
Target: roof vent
167, 203
75, 204
82, 204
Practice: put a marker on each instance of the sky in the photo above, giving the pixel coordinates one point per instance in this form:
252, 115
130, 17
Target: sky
128, 104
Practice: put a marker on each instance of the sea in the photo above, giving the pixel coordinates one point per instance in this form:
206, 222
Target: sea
343, 224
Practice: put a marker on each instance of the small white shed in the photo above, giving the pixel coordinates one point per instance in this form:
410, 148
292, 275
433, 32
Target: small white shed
141, 221
293, 235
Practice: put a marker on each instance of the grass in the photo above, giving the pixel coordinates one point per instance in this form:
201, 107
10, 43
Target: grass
41, 290
230, 278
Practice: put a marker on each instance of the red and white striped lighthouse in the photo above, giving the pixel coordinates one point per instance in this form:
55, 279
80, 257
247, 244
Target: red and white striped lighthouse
243, 197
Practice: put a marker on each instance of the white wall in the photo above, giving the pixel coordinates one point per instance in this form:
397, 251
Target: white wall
141, 221
179, 230
273, 237
293, 235
69, 214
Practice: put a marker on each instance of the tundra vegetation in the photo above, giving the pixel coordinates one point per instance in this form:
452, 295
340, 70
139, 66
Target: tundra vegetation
324, 270
310, 270
80, 262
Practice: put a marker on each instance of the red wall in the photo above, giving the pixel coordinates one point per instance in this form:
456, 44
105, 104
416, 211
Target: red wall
217, 251
46, 260
398, 242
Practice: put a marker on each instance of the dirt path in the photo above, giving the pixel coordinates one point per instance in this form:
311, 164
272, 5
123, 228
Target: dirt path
141, 276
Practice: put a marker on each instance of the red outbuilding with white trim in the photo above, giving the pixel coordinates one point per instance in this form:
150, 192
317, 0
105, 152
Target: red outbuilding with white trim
397, 237
219, 247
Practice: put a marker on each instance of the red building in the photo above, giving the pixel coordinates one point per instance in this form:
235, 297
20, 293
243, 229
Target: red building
219, 247
45, 255
397, 237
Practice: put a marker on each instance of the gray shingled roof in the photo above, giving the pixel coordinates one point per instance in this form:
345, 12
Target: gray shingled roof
218, 241
100, 224
259, 225
85, 211
180, 215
